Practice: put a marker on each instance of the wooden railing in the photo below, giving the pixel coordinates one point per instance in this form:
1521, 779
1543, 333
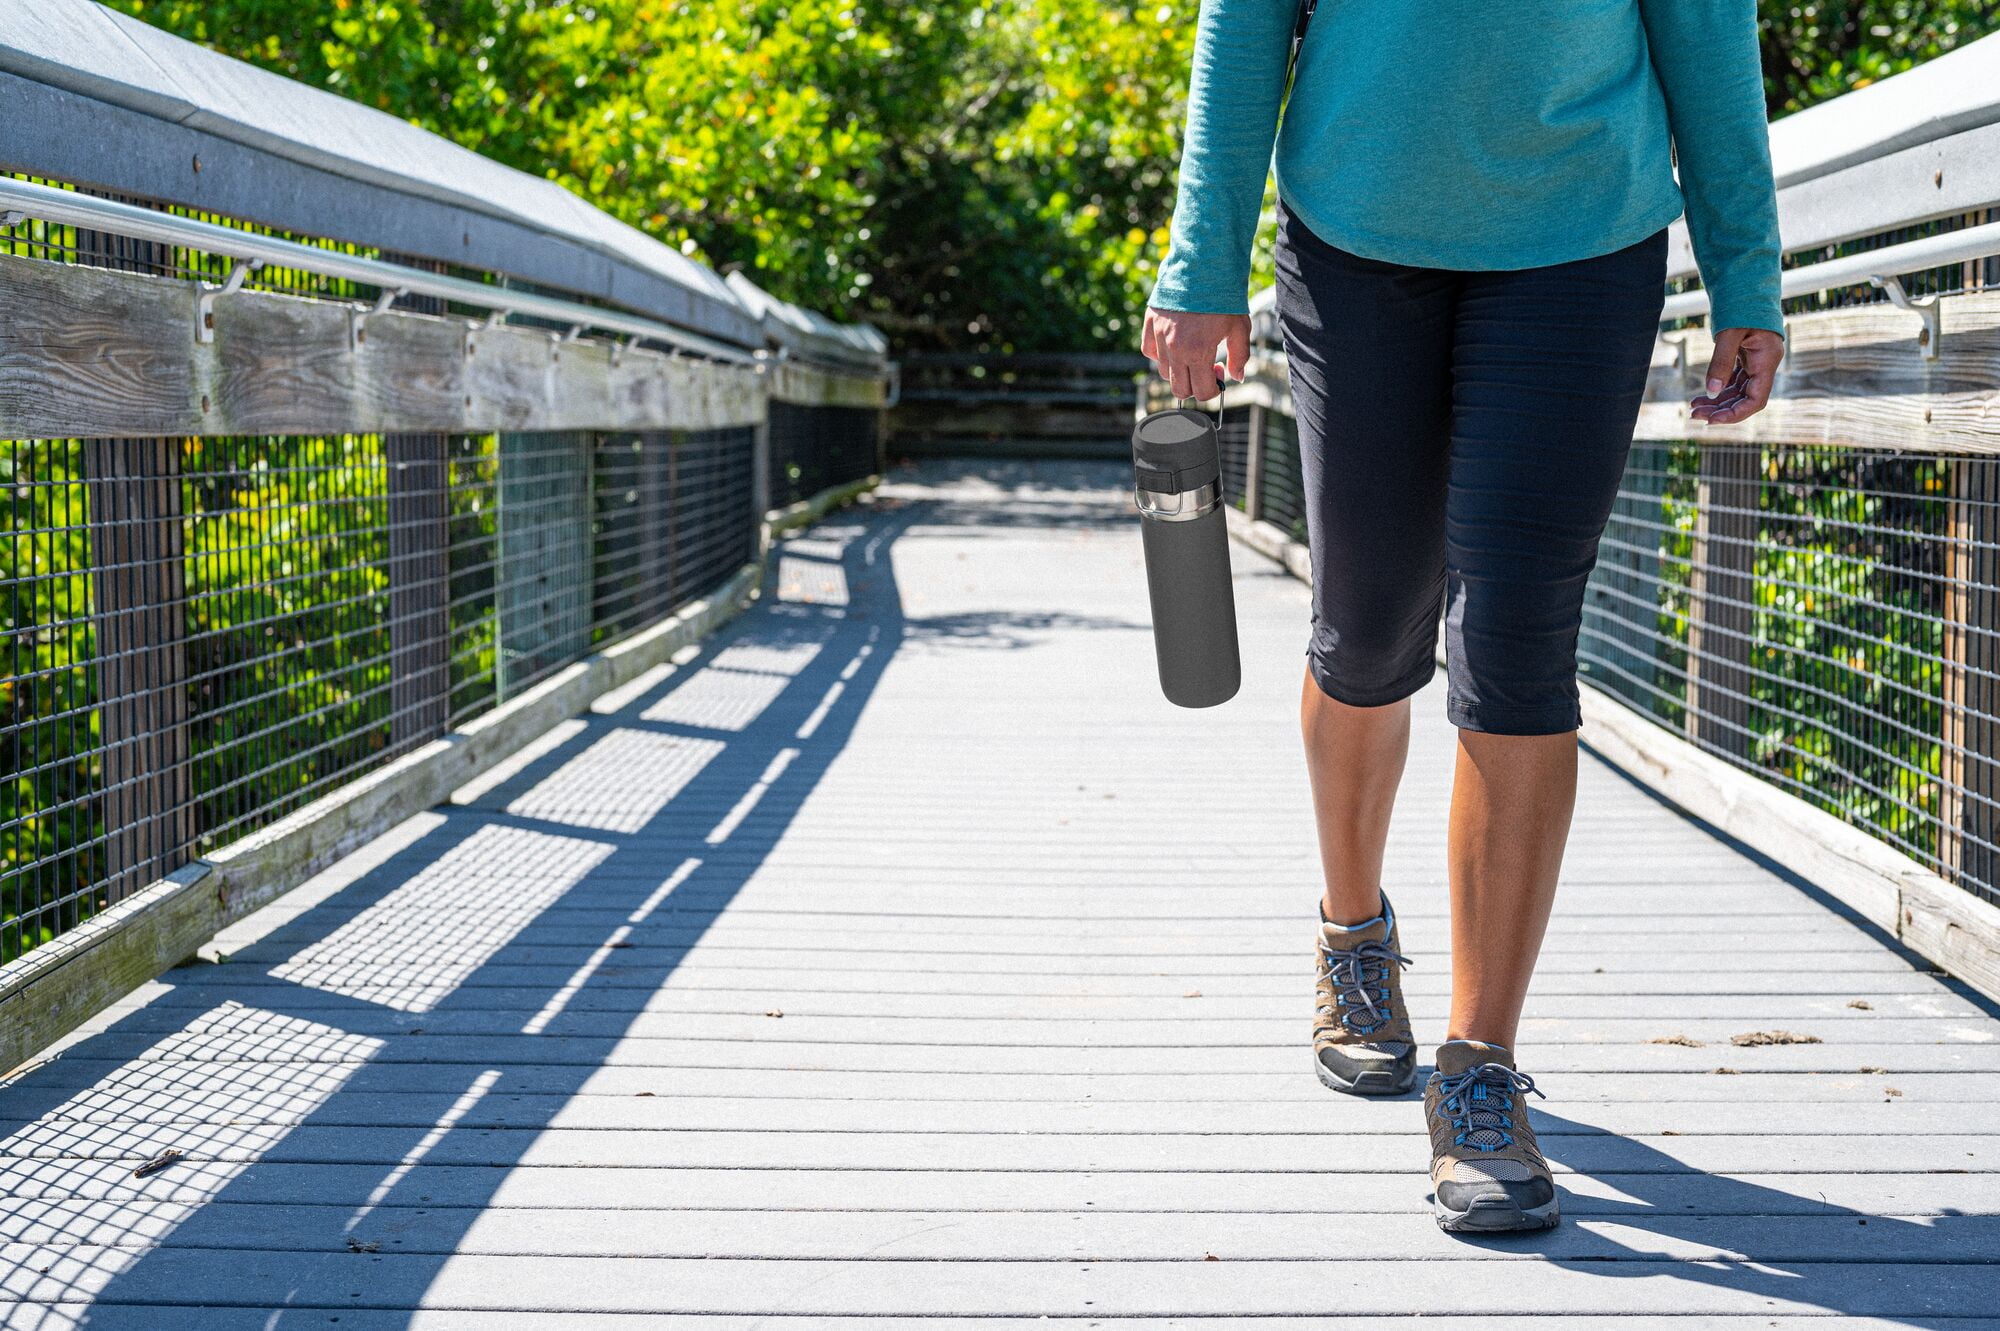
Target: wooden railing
1070, 405
312, 511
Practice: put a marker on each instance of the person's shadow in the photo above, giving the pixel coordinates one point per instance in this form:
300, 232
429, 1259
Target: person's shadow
1631, 1211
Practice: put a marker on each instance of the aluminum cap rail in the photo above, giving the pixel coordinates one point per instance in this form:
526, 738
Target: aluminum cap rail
23, 199
1883, 267
100, 99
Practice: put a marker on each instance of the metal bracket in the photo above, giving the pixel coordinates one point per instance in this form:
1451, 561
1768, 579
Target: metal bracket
557, 341
204, 305
493, 319
359, 315
1680, 346
1927, 310
10, 217
618, 349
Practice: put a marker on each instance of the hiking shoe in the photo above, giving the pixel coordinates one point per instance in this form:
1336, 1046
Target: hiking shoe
1361, 1030
1487, 1172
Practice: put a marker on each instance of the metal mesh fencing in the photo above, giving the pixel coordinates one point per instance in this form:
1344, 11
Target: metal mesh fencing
675, 515
1824, 617
815, 448
1280, 487
1233, 436
204, 634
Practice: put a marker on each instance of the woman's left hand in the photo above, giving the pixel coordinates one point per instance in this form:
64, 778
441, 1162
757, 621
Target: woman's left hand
1740, 375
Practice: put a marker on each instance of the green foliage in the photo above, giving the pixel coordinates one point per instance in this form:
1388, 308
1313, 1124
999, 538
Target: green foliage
962, 173
965, 174
1847, 622
1816, 51
48, 843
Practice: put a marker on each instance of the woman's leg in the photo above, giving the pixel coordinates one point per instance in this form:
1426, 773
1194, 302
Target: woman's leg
1354, 756
1370, 348
1511, 800
1370, 357
1549, 369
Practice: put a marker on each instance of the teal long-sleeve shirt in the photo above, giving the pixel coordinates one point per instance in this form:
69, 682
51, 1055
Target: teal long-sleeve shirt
1449, 134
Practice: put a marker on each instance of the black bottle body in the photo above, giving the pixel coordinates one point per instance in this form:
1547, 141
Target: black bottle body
1178, 471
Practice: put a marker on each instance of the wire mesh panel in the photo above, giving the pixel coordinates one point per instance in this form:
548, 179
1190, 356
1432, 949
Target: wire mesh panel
52, 847
205, 634
1823, 617
542, 584
715, 517
1233, 435
199, 635
817, 448
675, 516
634, 580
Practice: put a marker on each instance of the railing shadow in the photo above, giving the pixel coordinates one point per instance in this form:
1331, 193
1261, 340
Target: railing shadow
404, 1043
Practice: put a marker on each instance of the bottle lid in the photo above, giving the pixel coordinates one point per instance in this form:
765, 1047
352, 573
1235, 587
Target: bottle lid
1175, 451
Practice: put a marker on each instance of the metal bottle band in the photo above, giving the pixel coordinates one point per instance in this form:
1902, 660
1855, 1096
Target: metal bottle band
1196, 503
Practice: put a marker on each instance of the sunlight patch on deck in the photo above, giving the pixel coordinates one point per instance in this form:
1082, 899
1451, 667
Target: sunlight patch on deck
420, 941
236, 1079
620, 783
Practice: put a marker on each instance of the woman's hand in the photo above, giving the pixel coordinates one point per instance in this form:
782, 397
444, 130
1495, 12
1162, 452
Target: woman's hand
1740, 375
1182, 348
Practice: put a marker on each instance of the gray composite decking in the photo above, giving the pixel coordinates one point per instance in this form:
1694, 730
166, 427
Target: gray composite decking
903, 954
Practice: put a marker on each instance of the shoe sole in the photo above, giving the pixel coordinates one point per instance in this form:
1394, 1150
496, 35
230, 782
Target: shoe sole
1502, 1218
1368, 1083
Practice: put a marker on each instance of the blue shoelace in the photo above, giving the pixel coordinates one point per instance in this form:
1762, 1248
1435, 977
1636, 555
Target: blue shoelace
1466, 1101
1360, 983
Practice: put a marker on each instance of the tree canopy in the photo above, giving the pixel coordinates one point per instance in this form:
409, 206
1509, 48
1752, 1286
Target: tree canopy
964, 173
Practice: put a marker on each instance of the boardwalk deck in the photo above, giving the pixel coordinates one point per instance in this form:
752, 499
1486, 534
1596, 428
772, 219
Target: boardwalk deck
904, 955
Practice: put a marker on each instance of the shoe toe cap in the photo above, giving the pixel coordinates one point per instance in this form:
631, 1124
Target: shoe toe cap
1523, 1195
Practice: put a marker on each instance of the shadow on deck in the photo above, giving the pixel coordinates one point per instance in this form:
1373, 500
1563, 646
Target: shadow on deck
841, 971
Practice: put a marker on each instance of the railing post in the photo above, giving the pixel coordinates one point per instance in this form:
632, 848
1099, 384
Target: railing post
760, 467
1253, 463
1720, 586
419, 586
1969, 766
139, 618
140, 622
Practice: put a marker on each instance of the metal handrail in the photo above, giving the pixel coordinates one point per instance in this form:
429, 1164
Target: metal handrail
1881, 267
86, 210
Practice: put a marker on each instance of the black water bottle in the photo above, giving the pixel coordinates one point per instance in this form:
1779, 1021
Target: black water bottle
1177, 466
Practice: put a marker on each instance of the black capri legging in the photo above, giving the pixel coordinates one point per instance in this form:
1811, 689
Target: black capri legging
1461, 436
